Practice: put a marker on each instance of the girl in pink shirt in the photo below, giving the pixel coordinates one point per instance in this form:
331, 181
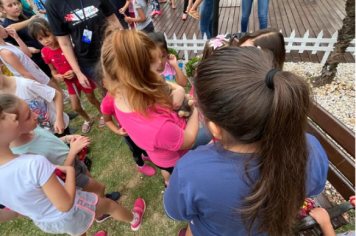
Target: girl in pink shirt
130, 60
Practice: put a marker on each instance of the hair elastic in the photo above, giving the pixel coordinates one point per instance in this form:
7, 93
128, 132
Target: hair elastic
269, 78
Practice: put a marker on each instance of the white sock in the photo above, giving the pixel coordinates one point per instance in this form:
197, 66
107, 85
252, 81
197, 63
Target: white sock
136, 218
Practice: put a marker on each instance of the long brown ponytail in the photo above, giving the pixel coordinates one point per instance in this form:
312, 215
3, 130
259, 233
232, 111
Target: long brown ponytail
232, 93
126, 56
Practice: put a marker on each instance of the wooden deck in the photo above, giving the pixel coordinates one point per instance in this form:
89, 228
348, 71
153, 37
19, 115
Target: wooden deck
285, 15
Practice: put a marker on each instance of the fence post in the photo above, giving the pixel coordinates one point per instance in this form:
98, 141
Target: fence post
320, 36
290, 44
302, 46
195, 43
331, 44
186, 55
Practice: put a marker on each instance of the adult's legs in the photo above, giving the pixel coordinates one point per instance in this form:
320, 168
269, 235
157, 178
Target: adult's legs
246, 11
263, 13
206, 18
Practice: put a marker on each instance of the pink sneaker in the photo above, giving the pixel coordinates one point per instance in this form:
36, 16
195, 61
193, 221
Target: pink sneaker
100, 233
146, 158
159, 12
154, 13
147, 170
139, 209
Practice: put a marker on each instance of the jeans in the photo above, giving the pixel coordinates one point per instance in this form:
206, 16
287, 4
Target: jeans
206, 18
203, 138
155, 5
136, 151
262, 13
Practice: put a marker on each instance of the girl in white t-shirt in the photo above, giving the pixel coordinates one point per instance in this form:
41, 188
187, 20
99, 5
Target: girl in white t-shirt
18, 60
59, 208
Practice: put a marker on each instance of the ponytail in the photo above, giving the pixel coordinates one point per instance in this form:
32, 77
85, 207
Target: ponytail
232, 92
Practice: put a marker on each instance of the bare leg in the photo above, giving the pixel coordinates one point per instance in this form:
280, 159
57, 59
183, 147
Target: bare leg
196, 5
118, 212
189, 231
173, 4
54, 84
96, 187
77, 107
92, 99
166, 175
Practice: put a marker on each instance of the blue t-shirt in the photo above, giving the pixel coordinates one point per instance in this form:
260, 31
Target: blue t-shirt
207, 186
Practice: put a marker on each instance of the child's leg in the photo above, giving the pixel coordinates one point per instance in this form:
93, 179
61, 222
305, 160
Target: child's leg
166, 175
92, 99
118, 212
54, 84
95, 186
77, 107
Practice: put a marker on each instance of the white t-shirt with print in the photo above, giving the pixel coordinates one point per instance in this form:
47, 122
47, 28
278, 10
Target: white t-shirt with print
26, 62
40, 99
142, 4
21, 187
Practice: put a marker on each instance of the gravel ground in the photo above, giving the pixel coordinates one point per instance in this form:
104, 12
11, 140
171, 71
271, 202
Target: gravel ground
338, 98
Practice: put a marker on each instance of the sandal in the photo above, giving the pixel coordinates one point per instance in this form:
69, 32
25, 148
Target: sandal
194, 14
86, 126
101, 122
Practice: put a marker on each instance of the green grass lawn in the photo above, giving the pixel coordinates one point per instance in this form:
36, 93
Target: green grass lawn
114, 166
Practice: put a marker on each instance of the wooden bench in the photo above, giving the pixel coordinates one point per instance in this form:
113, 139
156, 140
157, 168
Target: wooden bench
341, 154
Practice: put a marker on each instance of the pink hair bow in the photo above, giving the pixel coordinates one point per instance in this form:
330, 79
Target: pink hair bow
218, 41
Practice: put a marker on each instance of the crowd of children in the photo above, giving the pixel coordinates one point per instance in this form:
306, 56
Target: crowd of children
247, 171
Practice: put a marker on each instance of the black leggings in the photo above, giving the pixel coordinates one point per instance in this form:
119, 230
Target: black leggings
136, 151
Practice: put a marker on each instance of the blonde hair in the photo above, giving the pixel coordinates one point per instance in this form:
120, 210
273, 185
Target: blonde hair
126, 56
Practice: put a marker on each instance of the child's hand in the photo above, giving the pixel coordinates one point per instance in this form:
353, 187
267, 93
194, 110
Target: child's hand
65, 169
122, 10
122, 132
12, 32
34, 17
34, 50
178, 95
58, 77
77, 144
69, 74
128, 19
59, 126
321, 216
70, 137
172, 60
42, 11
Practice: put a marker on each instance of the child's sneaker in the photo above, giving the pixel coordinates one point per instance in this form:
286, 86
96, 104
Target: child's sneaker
144, 158
100, 233
147, 170
102, 218
154, 13
181, 232
138, 211
159, 12
113, 196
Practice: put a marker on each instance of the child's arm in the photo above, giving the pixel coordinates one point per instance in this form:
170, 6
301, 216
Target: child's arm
67, 48
181, 79
321, 216
112, 126
76, 145
10, 58
62, 197
19, 41
55, 73
141, 17
178, 94
23, 24
127, 4
191, 130
6, 215
59, 125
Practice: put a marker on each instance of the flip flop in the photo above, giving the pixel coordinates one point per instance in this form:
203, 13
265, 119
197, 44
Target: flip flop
194, 14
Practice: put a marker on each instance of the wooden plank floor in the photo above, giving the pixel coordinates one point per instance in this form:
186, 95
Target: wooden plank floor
284, 15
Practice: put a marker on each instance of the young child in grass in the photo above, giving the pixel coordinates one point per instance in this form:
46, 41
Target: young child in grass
130, 60
45, 101
59, 207
142, 15
108, 110
62, 71
168, 67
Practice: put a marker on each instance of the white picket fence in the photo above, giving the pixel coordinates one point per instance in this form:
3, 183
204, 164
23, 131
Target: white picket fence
300, 44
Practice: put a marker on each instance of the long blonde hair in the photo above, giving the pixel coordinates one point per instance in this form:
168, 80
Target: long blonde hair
126, 56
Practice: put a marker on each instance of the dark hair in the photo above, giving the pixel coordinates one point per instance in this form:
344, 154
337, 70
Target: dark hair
39, 27
159, 39
232, 92
269, 39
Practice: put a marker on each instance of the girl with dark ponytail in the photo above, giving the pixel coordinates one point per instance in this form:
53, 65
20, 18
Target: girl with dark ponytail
254, 180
